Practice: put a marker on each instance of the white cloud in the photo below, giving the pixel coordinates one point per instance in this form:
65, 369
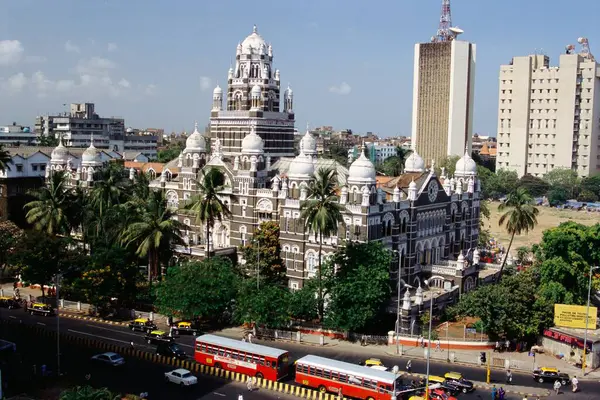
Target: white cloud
70, 47
15, 83
94, 66
65, 85
35, 59
150, 90
112, 47
11, 52
343, 89
124, 83
205, 83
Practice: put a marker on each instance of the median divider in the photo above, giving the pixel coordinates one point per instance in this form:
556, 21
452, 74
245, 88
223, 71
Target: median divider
285, 388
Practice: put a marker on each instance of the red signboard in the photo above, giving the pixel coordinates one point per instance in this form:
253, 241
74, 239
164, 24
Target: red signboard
568, 339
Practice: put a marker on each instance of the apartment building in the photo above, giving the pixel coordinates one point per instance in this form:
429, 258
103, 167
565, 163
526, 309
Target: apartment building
16, 135
549, 116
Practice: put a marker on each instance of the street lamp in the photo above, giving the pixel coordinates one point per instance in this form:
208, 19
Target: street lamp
398, 303
58, 276
426, 282
587, 317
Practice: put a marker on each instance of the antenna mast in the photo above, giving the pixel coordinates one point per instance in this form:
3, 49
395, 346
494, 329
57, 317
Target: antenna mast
443, 32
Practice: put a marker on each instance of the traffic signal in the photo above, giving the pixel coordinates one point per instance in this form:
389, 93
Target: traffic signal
482, 357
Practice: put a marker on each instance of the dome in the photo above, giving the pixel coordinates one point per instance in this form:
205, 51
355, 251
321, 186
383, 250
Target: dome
414, 163
256, 91
253, 143
362, 170
195, 142
91, 154
412, 185
129, 130
254, 44
308, 144
466, 166
60, 154
288, 92
218, 91
302, 167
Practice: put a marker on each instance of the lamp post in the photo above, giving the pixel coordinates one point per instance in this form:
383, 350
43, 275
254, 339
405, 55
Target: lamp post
426, 282
57, 325
587, 318
398, 303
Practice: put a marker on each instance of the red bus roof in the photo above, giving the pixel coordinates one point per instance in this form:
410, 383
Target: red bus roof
241, 346
348, 368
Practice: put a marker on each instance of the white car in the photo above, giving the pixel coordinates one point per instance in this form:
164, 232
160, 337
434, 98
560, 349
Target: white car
109, 358
181, 377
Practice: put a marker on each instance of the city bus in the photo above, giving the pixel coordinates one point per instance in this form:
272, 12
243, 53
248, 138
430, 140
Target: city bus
351, 380
238, 356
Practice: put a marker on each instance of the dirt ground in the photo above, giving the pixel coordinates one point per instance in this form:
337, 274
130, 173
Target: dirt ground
548, 218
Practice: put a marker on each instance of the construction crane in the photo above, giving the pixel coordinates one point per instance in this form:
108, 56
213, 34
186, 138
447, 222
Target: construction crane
585, 49
446, 32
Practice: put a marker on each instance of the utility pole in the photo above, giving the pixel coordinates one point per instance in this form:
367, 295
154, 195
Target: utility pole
258, 265
587, 318
57, 325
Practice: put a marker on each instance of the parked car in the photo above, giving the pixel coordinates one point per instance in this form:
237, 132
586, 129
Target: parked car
109, 358
171, 350
181, 377
456, 379
142, 325
551, 375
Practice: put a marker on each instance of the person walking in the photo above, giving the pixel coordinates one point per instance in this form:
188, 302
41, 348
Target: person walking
408, 365
241, 397
494, 392
508, 377
557, 387
501, 394
438, 345
249, 384
574, 383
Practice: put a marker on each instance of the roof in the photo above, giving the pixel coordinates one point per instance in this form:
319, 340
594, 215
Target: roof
239, 345
344, 367
404, 180
283, 165
155, 166
131, 156
181, 371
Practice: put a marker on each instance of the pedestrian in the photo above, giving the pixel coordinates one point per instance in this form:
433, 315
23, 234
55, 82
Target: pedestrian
438, 345
15, 285
422, 341
507, 345
249, 384
409, 365
574, 383
494, 392
254, 382
508, 377
501, 394
131, 345
241, 397
557, 387
250, 337
497, 349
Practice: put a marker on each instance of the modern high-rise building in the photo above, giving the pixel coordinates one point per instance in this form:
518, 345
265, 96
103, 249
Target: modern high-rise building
549, 117
443, 93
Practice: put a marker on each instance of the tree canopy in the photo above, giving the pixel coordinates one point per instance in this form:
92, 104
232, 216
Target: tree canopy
267, 305
265, 249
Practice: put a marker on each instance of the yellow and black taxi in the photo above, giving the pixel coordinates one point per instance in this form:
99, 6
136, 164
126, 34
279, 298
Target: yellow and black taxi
373, 363
551, 375
142, 325
456, 379
447, 387
155, 337
41, 309
8, 302
185, 327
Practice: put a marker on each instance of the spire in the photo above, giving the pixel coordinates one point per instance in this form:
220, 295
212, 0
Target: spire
254, 30
92, 140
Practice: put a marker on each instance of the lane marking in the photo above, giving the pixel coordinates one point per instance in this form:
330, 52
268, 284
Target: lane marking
41, 323
12, 316
98, 336
114, 330
219, 394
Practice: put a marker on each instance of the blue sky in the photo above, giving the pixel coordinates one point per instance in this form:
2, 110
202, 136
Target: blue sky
155, 62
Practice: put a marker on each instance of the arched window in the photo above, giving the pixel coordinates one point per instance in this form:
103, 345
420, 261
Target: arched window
151, 173
238, 102
311, 264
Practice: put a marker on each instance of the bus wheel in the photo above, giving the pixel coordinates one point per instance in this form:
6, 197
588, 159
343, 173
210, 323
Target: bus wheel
259, 375
322, 389
217, 365
370, 398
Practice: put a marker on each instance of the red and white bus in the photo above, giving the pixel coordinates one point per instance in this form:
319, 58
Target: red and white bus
352, 380
246, 358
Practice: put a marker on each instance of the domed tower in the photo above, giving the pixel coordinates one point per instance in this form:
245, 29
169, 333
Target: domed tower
194, 154
252, 152
362, 176
288, 100
90, 161
59, 156
217, 99
465, 170
253, 99
414, 163
308, 144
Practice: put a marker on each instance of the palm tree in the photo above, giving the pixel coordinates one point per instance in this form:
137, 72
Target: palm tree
207, 206
88, 393
52, 207
520, 216
322, 213
402, 154
154, 231
108, 190
5, 159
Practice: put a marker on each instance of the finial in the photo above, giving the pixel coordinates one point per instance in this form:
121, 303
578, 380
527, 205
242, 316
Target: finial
254, 29
433, 164
196, 125
92, 140
308, 127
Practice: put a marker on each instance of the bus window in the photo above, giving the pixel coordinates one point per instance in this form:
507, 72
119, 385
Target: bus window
227, 354
261, 361
343, 378
268, 363
319, 372
327, 374
335, 376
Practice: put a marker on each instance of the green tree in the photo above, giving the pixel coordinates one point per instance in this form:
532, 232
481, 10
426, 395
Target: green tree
524, 255
207, 206
337, 152
587, 196
267, 305
557, 195
52, 208
360, 289
534, 185
10, 235
322, 213
155, 232
591, 184
198, 289
505, 181
47, 141
484, 234
565, 178
264, 251
486, 178
519, 216
5, 159
171, 152
303, 302
449, 165
88, 393
393, 166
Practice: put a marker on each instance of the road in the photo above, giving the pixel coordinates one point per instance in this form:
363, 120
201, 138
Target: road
121, 335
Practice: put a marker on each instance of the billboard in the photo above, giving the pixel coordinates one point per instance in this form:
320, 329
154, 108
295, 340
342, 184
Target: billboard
569, 316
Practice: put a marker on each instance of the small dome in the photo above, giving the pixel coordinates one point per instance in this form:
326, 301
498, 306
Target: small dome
218, 91
461, 257
256, 91
129, 130
289, 92
466, 166
60, 154
412, 185
302, 167
91, 154
254, 44
362, 170
195, 142
309, 144
414, 163
253, 143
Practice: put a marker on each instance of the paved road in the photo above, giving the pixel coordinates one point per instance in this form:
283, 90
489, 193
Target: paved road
121, 335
